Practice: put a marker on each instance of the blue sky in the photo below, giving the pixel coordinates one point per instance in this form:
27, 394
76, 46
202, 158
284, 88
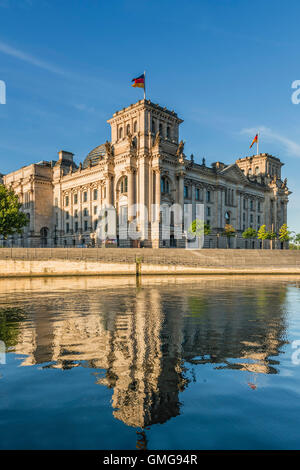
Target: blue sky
225, 66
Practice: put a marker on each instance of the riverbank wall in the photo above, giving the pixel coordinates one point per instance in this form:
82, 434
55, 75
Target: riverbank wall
37, 262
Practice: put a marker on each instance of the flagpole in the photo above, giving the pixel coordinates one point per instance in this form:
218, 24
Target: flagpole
257, 142
144, 84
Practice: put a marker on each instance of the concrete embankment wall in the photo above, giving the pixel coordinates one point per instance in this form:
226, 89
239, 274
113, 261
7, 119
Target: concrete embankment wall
23, 262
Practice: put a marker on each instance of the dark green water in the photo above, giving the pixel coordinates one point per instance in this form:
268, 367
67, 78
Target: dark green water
187, 364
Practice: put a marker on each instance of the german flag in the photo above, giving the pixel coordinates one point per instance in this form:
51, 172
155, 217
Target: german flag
254, 140
139, 82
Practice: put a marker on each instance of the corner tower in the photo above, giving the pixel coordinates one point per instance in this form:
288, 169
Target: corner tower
142, 121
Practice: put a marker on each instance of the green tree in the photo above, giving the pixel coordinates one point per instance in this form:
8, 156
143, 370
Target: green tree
271, 235
199, 227
284, 233
249, 233
12, 220
262, 234
229, 231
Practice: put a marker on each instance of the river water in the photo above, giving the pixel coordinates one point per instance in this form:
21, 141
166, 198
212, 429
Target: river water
170, 363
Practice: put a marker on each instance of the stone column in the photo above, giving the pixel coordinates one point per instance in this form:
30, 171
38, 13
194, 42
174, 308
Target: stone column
143, 195
108, 184
181, 189
131, 193
157, 195
193, 203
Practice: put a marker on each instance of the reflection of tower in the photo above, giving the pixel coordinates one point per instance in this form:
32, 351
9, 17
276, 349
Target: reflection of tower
144, 367
142, 337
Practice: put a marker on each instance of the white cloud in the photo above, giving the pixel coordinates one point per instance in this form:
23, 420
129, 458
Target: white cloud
291, 147
18, 54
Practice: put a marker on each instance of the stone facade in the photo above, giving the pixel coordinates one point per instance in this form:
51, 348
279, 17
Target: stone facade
144, 164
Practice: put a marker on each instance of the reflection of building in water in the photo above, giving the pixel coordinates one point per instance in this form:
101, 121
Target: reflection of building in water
146, 340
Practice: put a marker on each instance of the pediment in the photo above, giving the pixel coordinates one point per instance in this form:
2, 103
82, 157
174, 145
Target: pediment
234, 173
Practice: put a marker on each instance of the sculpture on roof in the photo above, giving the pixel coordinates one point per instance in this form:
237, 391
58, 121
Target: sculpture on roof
180, 149
157, 139
108, 148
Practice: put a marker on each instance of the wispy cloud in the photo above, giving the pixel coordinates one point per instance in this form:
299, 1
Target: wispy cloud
291, 147
30, 59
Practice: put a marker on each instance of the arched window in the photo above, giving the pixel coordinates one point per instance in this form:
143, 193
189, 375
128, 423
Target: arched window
135, 127
227, 218
128, 129
124, 185
250, 171
120, 132
168, 132
257, 170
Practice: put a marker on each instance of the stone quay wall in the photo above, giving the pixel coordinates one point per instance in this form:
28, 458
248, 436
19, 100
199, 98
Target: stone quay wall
35, 262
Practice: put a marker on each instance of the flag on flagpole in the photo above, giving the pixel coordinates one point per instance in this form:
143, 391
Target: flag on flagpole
254, 140
139, 81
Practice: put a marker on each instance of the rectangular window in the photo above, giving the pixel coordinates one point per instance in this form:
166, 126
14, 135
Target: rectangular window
95, 194
85, 225
95, 210
208, 211
258, 219
76, 227
95, 224
207, 196
197, 194
244, 204
85, 212
258, 206
208, 222
244, 216
186, 191
76, 198
251, 218
251, 205
85, 196
67, 201
67, 215
76, 213
67, 228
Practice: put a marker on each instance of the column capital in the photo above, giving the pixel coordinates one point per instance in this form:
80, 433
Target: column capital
130, 170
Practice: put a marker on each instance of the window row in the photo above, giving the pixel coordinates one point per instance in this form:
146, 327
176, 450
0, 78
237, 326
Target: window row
198, 194
127, 130
84, 197
85, 212
86, 226
158, 127
251, 205
251, 218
